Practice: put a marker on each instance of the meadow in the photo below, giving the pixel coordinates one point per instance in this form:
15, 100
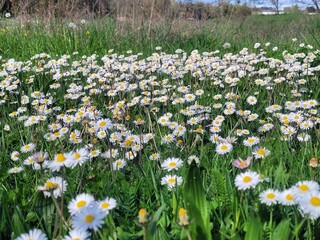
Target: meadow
193, 130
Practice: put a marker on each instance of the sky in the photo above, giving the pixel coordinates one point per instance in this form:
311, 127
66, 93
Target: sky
265, 3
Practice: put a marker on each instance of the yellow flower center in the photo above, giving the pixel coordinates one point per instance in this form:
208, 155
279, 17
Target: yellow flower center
261, 151
105, 205
76, 238
271, 195
242, 163
171, 180
102, 124
172, 164
315, 201
60, 157
119, 163
224, 148
182, 212
51, 185
142, 211
303, 188
247, 179
89, 218
128, 143
289, 197
76, 156
81, 203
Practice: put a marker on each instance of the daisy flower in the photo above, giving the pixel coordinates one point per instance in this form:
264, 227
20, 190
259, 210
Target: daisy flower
269, 197
172, 164
101, 134
287, 197
33, 234
260, 152
252, 117
241, 164
310, 205
15, 170
54, 186
130, 155
103, 124
28, 148
250, 141
215, 138
168, 138
15, 156
246, 180
171, 181
303, 137
59, 161
154, 156
223, 148
37, 160
94, 153
303, 187
305, 125
82, 200
90, 217
120, 163
252, 100
78, 157
107, 204
179, 131
111, 153
77, 235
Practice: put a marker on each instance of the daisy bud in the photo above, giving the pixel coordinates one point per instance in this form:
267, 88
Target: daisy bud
183, 218
143, 216
6, 127
313, 162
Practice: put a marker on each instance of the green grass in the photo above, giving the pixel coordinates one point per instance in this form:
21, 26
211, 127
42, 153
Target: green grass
23, 39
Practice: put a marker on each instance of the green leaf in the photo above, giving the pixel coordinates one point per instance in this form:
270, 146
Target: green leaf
18, 225
196, 204
282, 231
31, 217
153, 224
254, 228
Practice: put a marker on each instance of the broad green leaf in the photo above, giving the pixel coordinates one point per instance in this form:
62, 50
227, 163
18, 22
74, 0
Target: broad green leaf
153, 224
196, 204
254, 228
18, 222
282, 231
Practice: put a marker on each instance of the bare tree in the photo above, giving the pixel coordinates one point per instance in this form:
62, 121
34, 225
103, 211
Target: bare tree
276, 5
316, 3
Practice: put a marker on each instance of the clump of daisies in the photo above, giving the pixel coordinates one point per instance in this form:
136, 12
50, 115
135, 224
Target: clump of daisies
304, 194
171, 164
87, 213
